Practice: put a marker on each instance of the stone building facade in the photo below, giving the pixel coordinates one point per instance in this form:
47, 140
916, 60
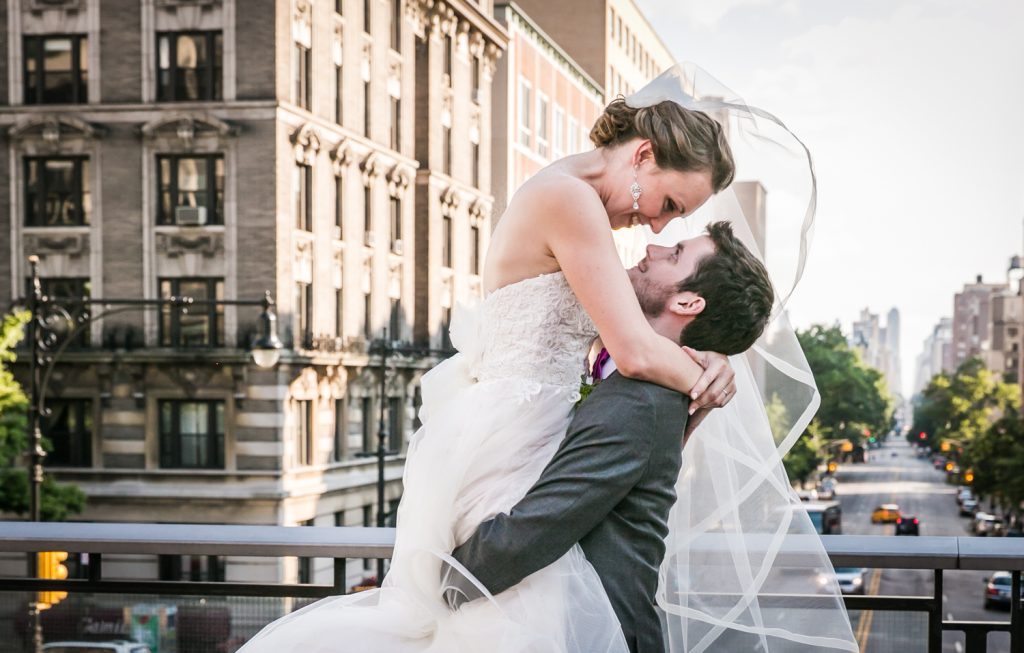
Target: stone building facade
219, 149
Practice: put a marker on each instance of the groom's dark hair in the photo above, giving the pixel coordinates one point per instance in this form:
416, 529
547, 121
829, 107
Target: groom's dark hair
737, 294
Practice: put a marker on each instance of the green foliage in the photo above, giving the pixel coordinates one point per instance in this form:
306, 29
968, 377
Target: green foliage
962, 406
854, 398
58, 501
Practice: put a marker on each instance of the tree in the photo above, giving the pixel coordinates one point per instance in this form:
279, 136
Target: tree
963, 406
58, 501
854, 399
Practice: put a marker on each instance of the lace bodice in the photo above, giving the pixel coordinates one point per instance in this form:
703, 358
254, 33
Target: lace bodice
534, 329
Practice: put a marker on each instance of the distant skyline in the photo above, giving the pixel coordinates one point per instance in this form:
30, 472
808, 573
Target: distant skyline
910, 109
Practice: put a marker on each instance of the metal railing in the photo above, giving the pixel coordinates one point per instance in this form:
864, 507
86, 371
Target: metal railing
936, 554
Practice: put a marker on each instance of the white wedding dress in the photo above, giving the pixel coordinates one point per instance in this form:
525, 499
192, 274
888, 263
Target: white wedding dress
493, 416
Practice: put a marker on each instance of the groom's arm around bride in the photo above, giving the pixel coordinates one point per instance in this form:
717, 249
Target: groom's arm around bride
609, 487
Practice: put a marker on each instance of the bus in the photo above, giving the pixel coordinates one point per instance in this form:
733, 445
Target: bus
826, 516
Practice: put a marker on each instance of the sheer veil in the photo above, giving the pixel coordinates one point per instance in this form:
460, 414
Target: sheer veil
745, 569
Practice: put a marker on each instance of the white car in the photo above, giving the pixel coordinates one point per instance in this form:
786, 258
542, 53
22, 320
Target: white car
986, 524
118, 646
852, 580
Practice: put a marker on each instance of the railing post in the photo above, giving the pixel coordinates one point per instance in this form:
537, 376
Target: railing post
339, 575
1016, 630
935, 617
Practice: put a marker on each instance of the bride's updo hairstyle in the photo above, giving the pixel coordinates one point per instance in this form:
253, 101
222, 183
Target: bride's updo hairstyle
682, 139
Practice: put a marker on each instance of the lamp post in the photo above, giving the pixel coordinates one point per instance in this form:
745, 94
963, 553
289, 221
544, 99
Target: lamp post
386, 348
51, 328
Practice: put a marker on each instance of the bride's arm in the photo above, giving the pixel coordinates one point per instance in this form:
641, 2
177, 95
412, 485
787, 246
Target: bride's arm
577, 236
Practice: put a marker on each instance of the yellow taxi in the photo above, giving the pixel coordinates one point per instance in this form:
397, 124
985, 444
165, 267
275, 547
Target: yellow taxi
886, 513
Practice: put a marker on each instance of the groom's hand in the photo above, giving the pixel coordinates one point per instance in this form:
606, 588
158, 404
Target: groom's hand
456, 589
716, 386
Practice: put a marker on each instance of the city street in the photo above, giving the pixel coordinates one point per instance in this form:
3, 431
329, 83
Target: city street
894, 475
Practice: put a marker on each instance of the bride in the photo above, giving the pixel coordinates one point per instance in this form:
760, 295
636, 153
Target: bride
494, 414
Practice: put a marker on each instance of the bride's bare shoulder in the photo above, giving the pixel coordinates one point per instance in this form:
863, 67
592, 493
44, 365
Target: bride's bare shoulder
550, 192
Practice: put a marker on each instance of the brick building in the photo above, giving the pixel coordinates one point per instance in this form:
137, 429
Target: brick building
218, 149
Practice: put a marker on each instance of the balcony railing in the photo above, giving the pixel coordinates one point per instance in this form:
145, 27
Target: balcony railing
935, 554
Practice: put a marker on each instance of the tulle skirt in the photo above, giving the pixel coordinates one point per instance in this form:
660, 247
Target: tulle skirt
481, 448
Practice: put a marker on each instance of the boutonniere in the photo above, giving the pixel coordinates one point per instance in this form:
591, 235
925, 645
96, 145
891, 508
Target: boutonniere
586, 387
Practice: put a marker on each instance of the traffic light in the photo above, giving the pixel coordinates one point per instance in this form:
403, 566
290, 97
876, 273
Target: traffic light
922, 435
968, 476
832, 467
949, 467
945, 446
49, 565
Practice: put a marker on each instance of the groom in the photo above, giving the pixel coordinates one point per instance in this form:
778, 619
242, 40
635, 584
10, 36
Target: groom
611, 483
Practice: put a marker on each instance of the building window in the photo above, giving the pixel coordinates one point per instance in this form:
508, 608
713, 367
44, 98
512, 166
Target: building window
396, 25
357, 426
191, 434
194, 568
396, 423
446, 241
446, 325
396, 124
542, 125
475, 71
70, 288
57, 192
199, 326
366, 15
368, 214
417, 403
474, 253
449, 54
366, 107
301, 71
304, 432
303, 315
574, 140
476, 165
339, 7
189, 66
368, 314
339, 86
558, 133
68, 427
56, 69
191, 189
525, 111
339, 445
396, 225
395, 320
302, 186
446, 149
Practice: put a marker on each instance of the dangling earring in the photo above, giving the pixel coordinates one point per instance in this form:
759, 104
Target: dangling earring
635, 190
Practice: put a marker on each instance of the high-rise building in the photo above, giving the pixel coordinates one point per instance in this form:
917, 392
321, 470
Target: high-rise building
972, 322
217, 149
936, 355
879, 345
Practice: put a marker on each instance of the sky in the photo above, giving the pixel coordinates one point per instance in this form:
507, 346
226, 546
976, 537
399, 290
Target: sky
914, 114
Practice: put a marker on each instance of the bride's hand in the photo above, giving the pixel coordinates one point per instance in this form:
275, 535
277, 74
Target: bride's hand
716, 386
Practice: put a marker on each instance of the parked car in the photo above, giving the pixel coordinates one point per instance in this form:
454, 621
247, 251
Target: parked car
118, 646
907, 525
986, 524
997, 590
939, 462
962, 493
886, 513
968, 507
826, 492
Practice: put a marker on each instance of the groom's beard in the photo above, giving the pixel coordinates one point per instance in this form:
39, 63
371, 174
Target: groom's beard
652, 296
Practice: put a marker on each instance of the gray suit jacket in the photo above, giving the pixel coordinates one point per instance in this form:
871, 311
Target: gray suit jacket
609, 487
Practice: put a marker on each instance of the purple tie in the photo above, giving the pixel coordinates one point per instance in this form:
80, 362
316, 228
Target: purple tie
602, 358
